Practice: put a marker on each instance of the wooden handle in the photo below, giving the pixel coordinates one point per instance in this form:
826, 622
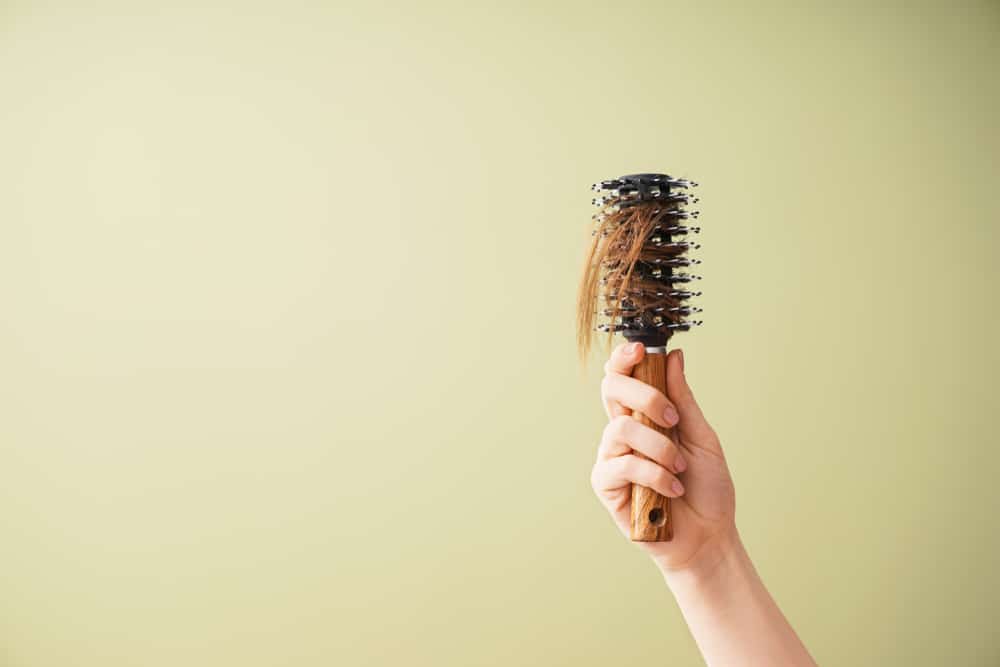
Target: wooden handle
651, 520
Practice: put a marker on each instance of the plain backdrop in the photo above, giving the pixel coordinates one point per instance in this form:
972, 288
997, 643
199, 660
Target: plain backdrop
287, 365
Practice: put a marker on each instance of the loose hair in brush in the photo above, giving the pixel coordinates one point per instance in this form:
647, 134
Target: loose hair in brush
636, 283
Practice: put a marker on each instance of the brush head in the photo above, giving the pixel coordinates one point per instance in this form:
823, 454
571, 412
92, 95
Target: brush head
637, 270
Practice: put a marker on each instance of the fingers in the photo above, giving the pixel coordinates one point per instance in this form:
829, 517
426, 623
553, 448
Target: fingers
622, 360
624, 434
622, 393
692, 424
631, 469
624, 357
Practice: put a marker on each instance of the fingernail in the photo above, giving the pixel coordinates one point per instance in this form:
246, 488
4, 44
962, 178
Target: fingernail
680, 355
670, 415
680, 464
632, 348
677, 487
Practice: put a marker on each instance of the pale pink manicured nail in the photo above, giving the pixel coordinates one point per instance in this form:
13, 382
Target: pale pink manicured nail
670, 415
677, 487
680, 463
632, 349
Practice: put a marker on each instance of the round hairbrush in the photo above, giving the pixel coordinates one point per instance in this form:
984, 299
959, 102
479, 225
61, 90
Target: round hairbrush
636, 283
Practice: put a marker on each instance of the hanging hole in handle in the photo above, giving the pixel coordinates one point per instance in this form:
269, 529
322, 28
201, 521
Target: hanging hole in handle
657, 516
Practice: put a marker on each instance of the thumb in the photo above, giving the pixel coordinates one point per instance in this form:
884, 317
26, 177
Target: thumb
692, 425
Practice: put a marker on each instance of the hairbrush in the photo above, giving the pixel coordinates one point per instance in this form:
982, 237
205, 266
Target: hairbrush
637, 275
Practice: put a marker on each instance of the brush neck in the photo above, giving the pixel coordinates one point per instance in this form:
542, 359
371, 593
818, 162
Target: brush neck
655, 343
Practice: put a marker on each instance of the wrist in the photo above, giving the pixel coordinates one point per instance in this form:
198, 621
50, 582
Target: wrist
719, 560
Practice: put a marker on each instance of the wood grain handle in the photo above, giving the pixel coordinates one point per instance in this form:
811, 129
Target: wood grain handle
651, 520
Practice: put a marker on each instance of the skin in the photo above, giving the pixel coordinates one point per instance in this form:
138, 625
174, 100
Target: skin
730, 613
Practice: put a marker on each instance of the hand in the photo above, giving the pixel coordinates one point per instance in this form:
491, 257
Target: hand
730, 612
691, 470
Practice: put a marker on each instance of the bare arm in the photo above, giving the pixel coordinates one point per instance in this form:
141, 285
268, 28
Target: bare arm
733, 618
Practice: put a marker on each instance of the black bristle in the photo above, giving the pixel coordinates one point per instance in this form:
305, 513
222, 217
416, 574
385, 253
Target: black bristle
653, 304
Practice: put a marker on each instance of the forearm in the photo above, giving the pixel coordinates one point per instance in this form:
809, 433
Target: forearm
733, 618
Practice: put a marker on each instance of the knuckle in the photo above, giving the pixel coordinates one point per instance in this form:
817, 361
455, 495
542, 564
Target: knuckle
608, 434
617, 427
651, 402
662, 453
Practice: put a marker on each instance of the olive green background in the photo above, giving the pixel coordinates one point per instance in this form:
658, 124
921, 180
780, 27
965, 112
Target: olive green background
287, 372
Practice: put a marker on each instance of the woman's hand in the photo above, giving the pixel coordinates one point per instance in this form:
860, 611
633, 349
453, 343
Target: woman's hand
691, 470
729, 611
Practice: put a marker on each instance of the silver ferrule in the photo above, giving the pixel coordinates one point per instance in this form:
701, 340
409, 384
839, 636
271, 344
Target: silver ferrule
662, 349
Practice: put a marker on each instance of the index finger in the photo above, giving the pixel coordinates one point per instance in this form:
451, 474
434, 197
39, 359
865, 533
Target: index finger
624, 357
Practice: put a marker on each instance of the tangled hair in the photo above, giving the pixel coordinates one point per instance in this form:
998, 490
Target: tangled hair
628, 277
